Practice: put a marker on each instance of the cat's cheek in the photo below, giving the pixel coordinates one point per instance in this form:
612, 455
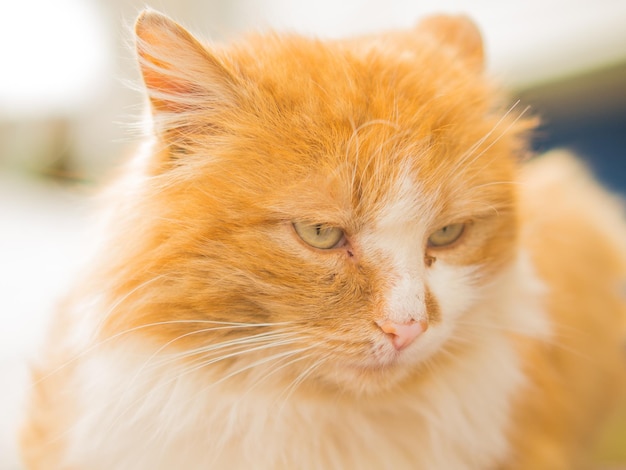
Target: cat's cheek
453, 287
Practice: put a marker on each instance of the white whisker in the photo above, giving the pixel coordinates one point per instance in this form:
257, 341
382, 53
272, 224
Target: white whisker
300, 378
119, 301
255, 364
276, 370
202, 363
244, 341
468, 154
223, 325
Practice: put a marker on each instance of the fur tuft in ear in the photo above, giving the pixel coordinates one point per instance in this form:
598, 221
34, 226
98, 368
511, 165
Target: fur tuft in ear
180, 74
458, 33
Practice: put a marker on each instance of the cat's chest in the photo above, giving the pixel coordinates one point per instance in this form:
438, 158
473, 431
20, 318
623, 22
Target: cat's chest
175, 420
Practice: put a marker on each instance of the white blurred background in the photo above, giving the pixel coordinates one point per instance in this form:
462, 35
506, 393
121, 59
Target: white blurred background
66, 111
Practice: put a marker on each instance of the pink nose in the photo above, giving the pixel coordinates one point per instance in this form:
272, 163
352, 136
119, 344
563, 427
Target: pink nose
402, 334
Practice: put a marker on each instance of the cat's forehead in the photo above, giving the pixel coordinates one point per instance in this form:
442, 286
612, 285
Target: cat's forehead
385, 196
335, 133
369, 108
337, 80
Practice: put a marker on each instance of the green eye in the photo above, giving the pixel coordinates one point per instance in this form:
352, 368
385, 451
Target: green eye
318, 235
446, 235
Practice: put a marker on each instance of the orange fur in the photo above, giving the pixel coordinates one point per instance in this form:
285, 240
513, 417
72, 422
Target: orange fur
208, 334
582, 369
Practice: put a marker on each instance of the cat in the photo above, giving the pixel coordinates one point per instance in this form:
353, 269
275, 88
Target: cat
336, 255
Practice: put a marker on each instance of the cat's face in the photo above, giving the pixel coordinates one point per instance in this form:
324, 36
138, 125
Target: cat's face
315, 211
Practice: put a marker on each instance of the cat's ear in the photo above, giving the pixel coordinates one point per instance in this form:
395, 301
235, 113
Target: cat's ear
180, 74
458, 33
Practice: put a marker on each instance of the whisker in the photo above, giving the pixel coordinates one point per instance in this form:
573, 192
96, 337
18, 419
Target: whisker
254, 364
119, 301
261, 337
277, 369
468, 154
245, 341
223, 325
497, 139
299, 379
262, 361
203, 363
497, 183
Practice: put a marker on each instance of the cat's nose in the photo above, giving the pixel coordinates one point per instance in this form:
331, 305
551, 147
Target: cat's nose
402, 334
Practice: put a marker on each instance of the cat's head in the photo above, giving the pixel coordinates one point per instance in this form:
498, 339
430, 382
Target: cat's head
319, 211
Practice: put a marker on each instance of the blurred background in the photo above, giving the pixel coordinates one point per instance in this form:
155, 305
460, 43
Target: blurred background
67, 114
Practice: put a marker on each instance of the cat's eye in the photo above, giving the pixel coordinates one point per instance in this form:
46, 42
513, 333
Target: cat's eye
318, 235
446, 235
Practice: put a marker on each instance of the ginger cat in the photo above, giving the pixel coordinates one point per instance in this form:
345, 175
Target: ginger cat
335, 255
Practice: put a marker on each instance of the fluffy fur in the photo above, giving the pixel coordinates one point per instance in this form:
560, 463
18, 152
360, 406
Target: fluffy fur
209, 334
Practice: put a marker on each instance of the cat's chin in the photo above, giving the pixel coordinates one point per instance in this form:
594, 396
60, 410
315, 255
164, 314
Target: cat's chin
368, 378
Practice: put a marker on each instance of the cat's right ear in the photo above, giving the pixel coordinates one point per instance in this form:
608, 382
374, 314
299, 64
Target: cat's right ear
459, 34
180, 74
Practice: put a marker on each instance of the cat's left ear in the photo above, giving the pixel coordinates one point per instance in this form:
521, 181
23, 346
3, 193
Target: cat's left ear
180, 74
458, 33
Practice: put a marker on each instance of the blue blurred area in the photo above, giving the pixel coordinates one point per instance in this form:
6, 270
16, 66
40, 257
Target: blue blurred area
586, 114
600, 142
